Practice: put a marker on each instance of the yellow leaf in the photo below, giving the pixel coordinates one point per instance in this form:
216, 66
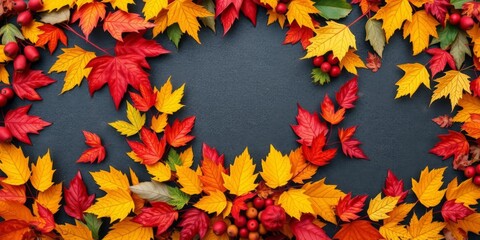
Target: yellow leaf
228, 209
241, 179
187, 157
415, 75
14, 164
3, 57
424, 228
160, 171
134, 157
467, 193
153, 7
167, 101
133, 177
137, 120
31, 31
128, 230
159, 122
455, 231
116, 204
42, 173
470, 105
271, 3
300, 10
161, 23
379, 207
394, 231
351, 62
185, 13
49, 199
334, 37
323, 198
57, 4
214, 202
276, 169
393, 14
120, 4
452, 85
470, 223
4, 76
80, 3
427, 189
111, 180
420, 3
399, 213
189, 180
73, 61
14, 210
274, 17
79, 231
295, 202
301, 170
474, 34
422, 26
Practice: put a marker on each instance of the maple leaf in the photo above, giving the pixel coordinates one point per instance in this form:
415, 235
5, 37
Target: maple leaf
301, 170
297, 34
470, 105
14, 164
309, 127
452, 84
315, 153
151, 149
348, 207
239, 204
127, 229
359, 230
374, 62
160, 215
187, 157
215, 201
351, 61
177, 133
137, 120
334, 37
49, 199
153, 7
394, 231
473, 126
399, 213
160, 172
274, 17
193, 222
77, 231
134, 43
189, 180
425, 227
295, 202
212, 176
451, 144
276, 169
31, 31
350, 145
346, 96
439, 60
14, 210
305, 229
299, 11
323, 198
76, 197
438, 9
112, 180
42, 173
96, 150
25, 83
393, 14
45, 223
168, 101
53, 5
51, 35
443, 121
470, 223
212, 154
120, 22
159, 122
420, 28
379, 207
453, 211
367, 5
116, 204
394, 187
427, 189
242, 178
185, 13
89, 15
329, 113
14, 229
12, 193
415, 75
466, 193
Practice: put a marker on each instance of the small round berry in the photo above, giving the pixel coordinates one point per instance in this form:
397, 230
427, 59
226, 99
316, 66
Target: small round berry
466, 23
269, 202
332, 59
24, 18
31, 53
252, 225
35, 5
253, 236
3, 101
19, 6
477, 169
317, 61
325, 67
259, 203
5, 135
454, 18
20, 63
476, 180
281, 8
11, 49
252, 212
7, 92
335, 71
232, 231
262, 230
219, 227
241, 221
469, 171
243, 232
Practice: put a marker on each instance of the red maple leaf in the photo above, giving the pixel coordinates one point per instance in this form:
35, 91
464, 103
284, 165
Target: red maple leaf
193, 222
305, 229
21, 124
309, 127
438, 9
444, 121
212, 154
96, 150
358, 230
239, 204
451, 144
329, 113
119, 22
118, 72
297, 34
350, 145
374, 62
151, 150
394, 187
12, 193
475, 87
348, 207
76, 197
160, 215
228, 17
135, 43
89, 15
315, 153
146, 99
347, 95
177, 133
439, 60
51, 35
46, 223
25, 83
452, 211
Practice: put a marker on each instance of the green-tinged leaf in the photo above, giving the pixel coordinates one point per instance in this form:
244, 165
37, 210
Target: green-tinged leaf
178, 198
93, 223
59, 16
446, 36
173, 159
458, 3
375, 35
152, 191
9, 33
460, 48
209, 21
320, 77
333, 9
174, 34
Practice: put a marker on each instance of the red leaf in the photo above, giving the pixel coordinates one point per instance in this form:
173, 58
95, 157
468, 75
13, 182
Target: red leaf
443, 121
297, 34
228, 17
212, 154
329, 113
89, 15
471, 9
374, 62
26, 82
239, 204
145, 100
151, 150
439, 60
51, 35
177, 134
21, 124
350, 146
315, 153
118, 72
452, 211
475, 87
309, 127
249, 9
222, 5
305, 229
348, 207
358, 230
96, 151
160, 215
451, 144
46, 222
134, 43
347, 95
394, 187
12, 193
438, 9
13, 228
193, 222
119, 22
76, 197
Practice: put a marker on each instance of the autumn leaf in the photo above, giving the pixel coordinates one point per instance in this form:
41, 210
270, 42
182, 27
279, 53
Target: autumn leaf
160, 172
470, 223
168, 101
394, 231
305, 229
193, 222
137, 120
297, 34
134, 43
120, 4
89, 15
399, 213
467, 192
79, 231
189, 179
425, 227
76, 197
299, 11
240, 204
427, 189
274, 17
186, 157
212, 154
348, 207
177, 134
453, 211
14, 164
394, 187
4, 76
415, 75
379, 207
152, 191
350, 145
470, 105
452, 85
42, 173
128, 230
301, 170
45, 222
51, 35
393, 14
358, 230
316, 154
26, 82
374, 62
451, 144
159, 122
49, 199
215, 201
211, 178
420, 28
351, 62
14, 229
329, 113
151, 149
153, 7
96, 150
375, 35
228, 12
309, 127
160, 215
54, 5
439, 60
120, 22
323, 198
276, 169
346, 96
185, 13
112, 180
295, 202
116, 204
242, 178
12, 193
334, 37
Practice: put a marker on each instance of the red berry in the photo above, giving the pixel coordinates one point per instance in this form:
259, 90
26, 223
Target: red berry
5, 135
454, 18
24, 18
7, 92
335, 71
20, 63
219, 227
252, 225
243, 232
258, 203
273, 217
281, 8
466, 23
325, 67
35, 5
3, 100
469, 171
31, 53
476, 180
332, 59
317, 61
11, 49
19, 6
232, 231
477, 169
269, 202
240, 221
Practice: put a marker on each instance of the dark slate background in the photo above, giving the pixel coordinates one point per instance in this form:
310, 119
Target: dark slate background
244, 89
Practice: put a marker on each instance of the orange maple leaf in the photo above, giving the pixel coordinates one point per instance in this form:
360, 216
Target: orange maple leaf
329, 113
212, 176
119, 22
51, 35
89, 15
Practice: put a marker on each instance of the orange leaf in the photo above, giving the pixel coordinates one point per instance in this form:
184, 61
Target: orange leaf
13, 229
96, 150
119, 22
177, 133
151, 150
358, 230
212, 176
329, 113
14, 210
51, 35
12, 193
89, 15
473, 127
301, 169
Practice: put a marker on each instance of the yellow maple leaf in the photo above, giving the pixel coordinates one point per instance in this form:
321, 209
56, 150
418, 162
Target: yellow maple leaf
15, 210
167, 101
31, 31
189, 180
57, 4
187, 157
161, 23
399, 213
14, 164
274, 17
79, 231
3, 57
241, 179
128, 230
393, 14
116, 204
80, 3
111, 180
394, 231
452, 84
415, 75
300, 10
420, 3
351, 62
301, 170
422, 26
379, 207
159, 122
42, 173
137, 120
120, 4
276, 169
153, 7
467, 192
49, 199
424, 228
214, 202
323, 198
4, 76
73, 61
334, 37
185, 13
160, 171
474, 34
295, 202
470, 105
427, 189
470, 223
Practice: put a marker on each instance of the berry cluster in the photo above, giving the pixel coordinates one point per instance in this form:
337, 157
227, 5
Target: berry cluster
330, 66
6, 94
465, 22
473, 172
24, 11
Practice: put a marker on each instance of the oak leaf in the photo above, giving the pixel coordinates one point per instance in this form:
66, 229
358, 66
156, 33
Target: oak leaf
185, 13
420, 28
89, 15
79, 231
137, 120
276, 169
120, 22
14, 164
241, 179
215, 201
334, 37
26, 82
295, 202
323, 198
51, 35
379, 207
160, 215
76, 197
151, 149
348, 207
42, 173
415, 75
299, 11
393, 14
452, 85
427, 189
358, 230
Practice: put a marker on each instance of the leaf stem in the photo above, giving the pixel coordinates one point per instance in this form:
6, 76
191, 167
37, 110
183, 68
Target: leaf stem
358, 19
85, 39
